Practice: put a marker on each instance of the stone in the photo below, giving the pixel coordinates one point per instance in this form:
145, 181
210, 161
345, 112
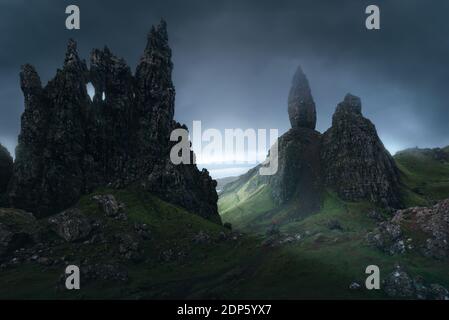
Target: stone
70, 144
348, 159
201, 238
432, 223
109, 205
388, 238
301, 107
399, 284
17, 231
129, 247
355, 286
438, 292
375, 215
71, 225
355, 162
299, 170
6, 169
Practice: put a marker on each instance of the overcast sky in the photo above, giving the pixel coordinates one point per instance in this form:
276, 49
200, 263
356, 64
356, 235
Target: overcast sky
234, 60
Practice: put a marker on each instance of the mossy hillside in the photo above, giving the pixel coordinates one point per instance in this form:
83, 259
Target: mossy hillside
425, 179
322, 265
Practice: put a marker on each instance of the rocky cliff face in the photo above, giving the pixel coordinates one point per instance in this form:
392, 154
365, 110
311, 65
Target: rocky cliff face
301, 107
6, 167
349, 158
70, 144
355, 163
417, 229
298, 175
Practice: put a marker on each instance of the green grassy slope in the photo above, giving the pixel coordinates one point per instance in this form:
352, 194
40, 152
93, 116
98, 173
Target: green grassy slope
325, 260
425, 178
320, 263
246, 204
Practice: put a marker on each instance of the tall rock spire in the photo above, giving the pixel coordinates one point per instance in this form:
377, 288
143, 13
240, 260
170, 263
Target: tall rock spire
356, 164
301, 107
70, 145
155, 92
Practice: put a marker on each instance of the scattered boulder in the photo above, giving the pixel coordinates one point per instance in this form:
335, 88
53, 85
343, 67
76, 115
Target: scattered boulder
17, 230
375, 215
387, 237
429, 223
129, 247
201, 238
142, 230
355, 286
71, 225
399, 284
111, 208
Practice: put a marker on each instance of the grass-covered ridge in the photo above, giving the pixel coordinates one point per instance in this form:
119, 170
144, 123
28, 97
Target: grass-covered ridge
424, 174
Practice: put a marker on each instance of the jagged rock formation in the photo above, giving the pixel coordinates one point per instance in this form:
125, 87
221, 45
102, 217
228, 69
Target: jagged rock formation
428, 228
301, 107
6, 167
349, 158
355, 163
299, 171
69, 144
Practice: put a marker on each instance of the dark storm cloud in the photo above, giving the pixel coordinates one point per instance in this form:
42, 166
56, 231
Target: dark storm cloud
234, 59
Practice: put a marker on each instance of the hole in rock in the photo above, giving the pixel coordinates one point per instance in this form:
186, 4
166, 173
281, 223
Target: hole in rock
90, 90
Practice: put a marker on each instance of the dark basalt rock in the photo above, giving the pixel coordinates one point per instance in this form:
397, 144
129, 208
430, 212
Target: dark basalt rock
69, 144
17, 230
6, 168
400, 284
299, 170
301, 107
432, 225
71, 225
355, 162
349, 158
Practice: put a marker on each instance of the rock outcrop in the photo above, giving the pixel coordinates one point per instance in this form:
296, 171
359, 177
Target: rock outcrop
401, 285
298, 175
17, 230
424, 230
70, 144
299, 170
355, 162
349, 159
6, 168
428, 227
301, 107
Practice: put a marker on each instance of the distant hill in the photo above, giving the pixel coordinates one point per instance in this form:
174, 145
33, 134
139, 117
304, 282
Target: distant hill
222, 182
424, 174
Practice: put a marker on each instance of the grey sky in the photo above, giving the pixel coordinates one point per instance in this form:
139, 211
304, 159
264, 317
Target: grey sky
234, 59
